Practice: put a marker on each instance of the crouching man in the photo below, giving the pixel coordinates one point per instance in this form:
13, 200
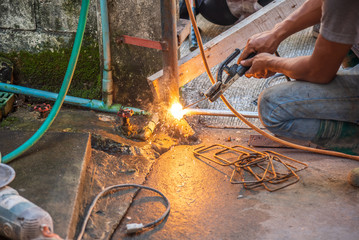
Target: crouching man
322, 105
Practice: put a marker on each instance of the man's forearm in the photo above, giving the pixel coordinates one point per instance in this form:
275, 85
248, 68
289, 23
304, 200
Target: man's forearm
320, 67
307, 15
296, 68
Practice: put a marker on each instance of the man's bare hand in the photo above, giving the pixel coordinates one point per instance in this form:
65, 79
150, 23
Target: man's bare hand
264, 42
258, 65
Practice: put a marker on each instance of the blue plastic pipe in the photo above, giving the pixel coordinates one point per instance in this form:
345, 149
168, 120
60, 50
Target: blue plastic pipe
107, 80
76, 101
64, 88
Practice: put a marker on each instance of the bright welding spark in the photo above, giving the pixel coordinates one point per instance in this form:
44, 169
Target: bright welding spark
177, 111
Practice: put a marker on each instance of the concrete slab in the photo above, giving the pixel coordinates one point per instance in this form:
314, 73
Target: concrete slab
114, 160
205, 205
59, 16
51, 173
17, 14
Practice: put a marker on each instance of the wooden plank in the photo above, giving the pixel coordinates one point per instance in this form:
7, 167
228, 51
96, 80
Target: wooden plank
219, 48
183, 30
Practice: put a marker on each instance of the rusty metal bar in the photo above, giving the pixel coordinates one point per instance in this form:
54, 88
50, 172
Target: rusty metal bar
169, 88
141, 42
268, 169
220, 113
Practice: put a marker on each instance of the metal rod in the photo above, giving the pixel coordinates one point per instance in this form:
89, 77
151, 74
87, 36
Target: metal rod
76, 101
221, 113
107, 80
192, 104
169, 89
141, 42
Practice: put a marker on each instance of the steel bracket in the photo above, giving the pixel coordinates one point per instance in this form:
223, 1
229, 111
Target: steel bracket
124, 39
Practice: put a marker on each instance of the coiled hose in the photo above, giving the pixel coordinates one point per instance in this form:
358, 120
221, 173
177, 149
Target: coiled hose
63, 91
278, 140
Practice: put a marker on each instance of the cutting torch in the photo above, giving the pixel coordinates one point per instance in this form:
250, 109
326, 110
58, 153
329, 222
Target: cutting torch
233, 73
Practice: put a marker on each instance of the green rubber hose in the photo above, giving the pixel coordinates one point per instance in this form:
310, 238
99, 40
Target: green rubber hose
63, 91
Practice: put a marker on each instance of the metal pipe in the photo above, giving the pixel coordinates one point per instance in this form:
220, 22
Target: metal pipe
221, 113
107, 80
76, 101
169, 89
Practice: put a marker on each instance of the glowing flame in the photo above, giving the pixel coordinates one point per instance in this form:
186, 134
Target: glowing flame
177, 111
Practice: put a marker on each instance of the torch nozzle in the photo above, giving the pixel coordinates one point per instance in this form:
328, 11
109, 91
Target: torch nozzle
192, 104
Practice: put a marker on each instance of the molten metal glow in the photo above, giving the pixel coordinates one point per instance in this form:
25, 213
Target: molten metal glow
177, 111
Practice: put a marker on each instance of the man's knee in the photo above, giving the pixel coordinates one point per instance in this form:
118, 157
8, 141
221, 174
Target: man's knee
268, 102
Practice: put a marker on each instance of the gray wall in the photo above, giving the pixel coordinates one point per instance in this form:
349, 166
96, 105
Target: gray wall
132, 64
42, 25
33, 25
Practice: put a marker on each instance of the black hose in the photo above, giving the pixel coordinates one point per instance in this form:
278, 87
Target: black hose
133, 227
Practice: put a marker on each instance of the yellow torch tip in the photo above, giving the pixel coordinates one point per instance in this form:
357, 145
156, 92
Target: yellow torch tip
177, 111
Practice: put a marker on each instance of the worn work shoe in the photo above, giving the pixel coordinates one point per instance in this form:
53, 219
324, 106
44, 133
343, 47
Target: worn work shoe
338, 136
353, 177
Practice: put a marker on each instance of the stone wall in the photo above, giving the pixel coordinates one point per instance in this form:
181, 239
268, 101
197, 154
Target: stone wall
37, 36
34, 25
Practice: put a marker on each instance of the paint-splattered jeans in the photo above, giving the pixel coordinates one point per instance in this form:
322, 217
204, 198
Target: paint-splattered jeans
294, 109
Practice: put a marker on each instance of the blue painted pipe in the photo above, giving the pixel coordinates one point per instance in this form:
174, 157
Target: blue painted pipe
107, 80
76, 101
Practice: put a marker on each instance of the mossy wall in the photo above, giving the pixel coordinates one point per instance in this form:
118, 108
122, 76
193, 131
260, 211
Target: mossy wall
37, 36
46, 69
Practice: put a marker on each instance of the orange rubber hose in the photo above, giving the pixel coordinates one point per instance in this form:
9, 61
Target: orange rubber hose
230, 107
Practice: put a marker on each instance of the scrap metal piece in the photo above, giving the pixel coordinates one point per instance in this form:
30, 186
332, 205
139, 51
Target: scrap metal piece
141, 42
270, 185
257, 177
271, 170
223, 162
289, 161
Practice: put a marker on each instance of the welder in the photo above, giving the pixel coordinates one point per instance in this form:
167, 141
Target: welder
322, 105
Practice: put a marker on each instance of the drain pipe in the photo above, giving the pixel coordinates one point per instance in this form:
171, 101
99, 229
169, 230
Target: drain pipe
107, 80
75, 101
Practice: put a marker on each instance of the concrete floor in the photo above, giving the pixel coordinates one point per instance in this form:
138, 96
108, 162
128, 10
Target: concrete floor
51, 174
205, 205
55, 175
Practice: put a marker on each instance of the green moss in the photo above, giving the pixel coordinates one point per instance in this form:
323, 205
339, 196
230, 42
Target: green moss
8, 121
72, 6
46, 70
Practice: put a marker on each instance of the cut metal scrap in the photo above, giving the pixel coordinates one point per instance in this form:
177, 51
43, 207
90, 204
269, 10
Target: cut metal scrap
289, 161
267, 169
267, 185
260, 178
223, 162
